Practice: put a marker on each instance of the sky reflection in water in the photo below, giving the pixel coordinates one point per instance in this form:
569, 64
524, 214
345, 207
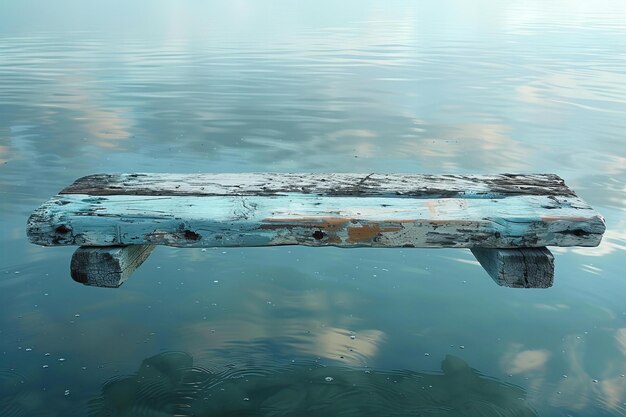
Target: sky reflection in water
357, 87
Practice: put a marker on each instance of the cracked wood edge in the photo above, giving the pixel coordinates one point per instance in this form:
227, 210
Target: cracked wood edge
334, 184
518, 268
107, 266
518, 221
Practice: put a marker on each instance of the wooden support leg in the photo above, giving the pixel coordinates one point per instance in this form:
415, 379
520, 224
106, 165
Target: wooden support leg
518, 268
107, 266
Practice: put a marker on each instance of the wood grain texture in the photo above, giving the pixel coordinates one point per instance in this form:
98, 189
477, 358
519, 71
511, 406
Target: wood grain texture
309, 219
331, 184
518, 268
107, 266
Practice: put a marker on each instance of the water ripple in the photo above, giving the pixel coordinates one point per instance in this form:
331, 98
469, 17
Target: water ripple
308, 390
11, 394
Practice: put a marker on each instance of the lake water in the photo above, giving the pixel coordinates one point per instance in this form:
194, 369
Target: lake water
351, 86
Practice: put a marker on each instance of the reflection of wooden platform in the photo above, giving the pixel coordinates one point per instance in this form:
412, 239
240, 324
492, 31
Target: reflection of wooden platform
500, 217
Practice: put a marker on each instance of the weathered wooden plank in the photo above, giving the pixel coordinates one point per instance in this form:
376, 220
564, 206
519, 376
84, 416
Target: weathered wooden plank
308, 219
107, 266
363, 185
518, 268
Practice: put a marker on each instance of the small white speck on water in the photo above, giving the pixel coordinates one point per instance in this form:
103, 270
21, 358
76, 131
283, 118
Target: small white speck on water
328, 379
622, 375
158, 267
215, 282
426, 354
45, 293
203, 250
61, 359
367, 371
461, 347
246, 399
564, 376
76, 315
67, 392
352, 337
47, 354
45, 366
29, 349
84, 368
595, 381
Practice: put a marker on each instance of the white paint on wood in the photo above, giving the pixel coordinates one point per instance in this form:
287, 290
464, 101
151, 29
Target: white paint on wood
518, 268
107, 266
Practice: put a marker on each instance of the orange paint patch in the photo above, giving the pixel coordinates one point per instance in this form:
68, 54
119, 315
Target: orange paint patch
333, 240
368, 232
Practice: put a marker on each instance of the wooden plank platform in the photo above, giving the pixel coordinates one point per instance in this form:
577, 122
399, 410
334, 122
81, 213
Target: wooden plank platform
251, 210
496, 212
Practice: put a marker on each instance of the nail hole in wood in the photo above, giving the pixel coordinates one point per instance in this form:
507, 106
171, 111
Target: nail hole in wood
189, 235
63, 229
318, 234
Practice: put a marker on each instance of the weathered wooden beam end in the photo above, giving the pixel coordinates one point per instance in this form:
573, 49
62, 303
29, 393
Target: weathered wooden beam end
518, 268
107, 266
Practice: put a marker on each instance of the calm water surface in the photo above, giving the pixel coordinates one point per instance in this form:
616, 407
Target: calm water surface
420, 87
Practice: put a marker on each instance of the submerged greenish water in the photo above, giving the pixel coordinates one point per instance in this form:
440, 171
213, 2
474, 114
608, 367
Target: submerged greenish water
428, 87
